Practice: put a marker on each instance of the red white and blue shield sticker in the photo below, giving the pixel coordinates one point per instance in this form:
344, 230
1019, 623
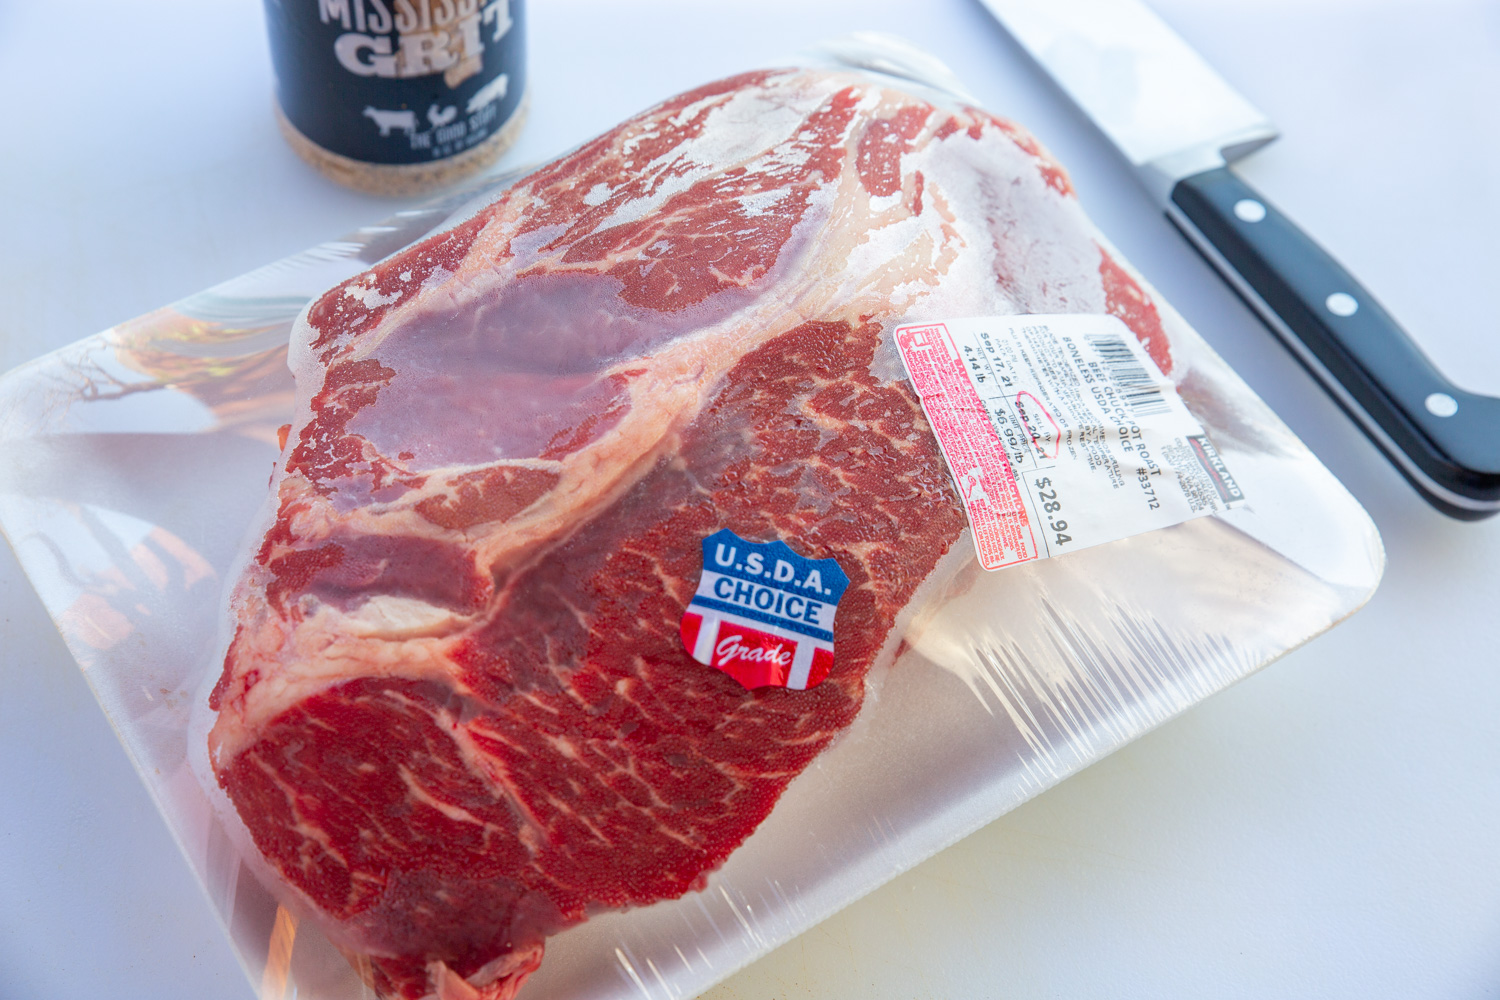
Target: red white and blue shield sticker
762, 613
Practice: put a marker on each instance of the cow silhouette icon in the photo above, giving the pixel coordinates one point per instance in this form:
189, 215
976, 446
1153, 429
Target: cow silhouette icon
406, 121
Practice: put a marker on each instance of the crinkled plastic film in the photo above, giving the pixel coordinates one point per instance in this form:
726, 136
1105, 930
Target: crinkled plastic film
133, 463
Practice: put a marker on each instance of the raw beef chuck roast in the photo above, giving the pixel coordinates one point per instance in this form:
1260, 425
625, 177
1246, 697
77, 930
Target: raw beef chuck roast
456, 715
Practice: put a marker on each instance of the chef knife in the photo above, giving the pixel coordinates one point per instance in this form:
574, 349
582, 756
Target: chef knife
1181, 125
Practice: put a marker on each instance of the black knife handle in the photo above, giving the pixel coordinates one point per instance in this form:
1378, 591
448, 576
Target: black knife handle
1444, 440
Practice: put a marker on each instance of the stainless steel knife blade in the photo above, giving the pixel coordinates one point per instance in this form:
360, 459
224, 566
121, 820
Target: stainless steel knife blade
1155, 98
1181, 125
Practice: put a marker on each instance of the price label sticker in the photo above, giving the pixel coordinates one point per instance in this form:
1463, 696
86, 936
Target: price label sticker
1060, 433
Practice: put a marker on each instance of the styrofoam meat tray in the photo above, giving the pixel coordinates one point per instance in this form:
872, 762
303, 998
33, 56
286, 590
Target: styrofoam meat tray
132, 462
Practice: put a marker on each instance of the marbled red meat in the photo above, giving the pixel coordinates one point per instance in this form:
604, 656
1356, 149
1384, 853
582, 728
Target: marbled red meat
456, 715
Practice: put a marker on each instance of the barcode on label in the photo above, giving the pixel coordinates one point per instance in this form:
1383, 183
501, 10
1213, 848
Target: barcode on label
1136, 385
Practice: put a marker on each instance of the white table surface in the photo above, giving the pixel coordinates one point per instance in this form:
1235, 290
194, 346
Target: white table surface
1326, 828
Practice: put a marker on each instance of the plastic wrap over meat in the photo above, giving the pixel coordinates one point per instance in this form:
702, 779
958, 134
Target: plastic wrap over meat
456, 715
457, 718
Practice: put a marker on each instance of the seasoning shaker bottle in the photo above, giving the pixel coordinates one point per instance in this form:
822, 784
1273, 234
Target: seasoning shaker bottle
399, 96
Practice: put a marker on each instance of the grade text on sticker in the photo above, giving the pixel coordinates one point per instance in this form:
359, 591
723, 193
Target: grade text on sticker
762, 613
1060, 432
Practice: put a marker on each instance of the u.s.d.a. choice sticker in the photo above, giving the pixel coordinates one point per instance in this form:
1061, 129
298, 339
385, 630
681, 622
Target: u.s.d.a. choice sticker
762, 613
1060, 433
